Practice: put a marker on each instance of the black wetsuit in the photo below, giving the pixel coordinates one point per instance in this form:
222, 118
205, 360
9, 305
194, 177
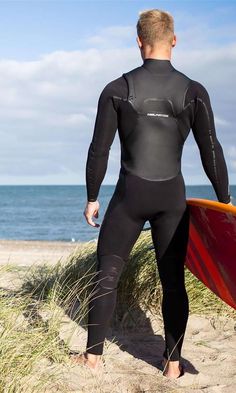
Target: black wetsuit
153, 106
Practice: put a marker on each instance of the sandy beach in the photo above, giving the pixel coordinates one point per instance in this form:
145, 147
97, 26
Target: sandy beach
21, 254
132, 357
25, 253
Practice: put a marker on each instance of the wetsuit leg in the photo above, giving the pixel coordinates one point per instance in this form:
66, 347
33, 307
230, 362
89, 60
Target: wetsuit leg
135, 201
117, 235
170, 261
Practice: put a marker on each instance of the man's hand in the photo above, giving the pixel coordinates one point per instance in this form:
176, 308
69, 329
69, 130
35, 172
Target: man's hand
91, 210
230, 202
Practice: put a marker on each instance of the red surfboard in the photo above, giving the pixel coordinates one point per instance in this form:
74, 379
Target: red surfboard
211, 253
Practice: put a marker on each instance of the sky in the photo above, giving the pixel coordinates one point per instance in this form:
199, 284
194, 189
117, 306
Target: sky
57, 56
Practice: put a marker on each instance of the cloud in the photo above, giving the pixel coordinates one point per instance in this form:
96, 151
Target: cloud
222, 122
48, 106
113, 36
232, 158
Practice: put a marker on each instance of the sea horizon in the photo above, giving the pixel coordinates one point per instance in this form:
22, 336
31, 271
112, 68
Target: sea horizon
55, 212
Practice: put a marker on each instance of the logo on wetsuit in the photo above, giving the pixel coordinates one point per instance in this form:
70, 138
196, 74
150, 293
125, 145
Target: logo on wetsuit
158, 114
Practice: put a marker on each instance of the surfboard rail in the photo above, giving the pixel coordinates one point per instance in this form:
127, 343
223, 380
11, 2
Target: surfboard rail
209, 203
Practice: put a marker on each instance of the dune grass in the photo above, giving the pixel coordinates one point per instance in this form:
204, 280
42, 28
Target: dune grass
26, 338
28, 343
139, 284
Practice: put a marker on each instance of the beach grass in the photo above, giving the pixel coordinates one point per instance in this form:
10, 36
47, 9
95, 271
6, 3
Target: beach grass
139, 284
28, 343
27, 339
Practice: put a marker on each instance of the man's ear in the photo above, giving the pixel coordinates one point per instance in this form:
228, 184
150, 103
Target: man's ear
139, 42
174, 41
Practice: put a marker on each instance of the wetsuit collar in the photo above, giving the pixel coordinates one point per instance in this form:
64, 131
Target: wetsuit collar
158, 66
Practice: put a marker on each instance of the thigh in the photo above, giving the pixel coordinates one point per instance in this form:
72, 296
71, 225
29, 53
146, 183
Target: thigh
119, 230
170, 233
170, 226
169, 221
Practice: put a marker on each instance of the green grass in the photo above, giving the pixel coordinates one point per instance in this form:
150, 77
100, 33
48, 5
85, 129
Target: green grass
26, 339
31, 350
139, 284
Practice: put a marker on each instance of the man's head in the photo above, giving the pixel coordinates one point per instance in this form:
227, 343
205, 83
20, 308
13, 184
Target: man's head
155, 30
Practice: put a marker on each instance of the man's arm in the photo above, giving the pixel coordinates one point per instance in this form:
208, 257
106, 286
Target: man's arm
103, 136
211, 151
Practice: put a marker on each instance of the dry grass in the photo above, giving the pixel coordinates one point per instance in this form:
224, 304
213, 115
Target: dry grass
26, 338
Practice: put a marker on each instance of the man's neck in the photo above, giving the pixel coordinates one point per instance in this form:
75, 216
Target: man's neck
161, 54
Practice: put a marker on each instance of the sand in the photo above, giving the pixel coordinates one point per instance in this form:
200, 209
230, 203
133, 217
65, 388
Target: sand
25, 253
132, 357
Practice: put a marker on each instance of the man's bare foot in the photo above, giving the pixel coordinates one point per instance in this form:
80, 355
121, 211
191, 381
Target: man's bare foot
90, 360
172, 368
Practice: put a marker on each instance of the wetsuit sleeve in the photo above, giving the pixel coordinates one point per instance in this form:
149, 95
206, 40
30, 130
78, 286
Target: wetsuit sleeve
99, 149
211, 151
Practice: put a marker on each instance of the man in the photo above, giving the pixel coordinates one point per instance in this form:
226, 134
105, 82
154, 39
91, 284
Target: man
153, 106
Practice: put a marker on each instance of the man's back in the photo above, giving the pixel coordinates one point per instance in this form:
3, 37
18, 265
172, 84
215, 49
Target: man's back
154, 106
152, 142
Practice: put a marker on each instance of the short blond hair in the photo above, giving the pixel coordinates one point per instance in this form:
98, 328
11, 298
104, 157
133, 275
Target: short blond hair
155, 26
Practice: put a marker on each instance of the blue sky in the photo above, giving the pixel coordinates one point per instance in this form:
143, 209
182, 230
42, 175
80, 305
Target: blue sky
31, 28
56, 57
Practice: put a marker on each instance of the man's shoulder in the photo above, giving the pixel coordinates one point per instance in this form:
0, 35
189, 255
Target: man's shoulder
198, 89
195, 92
120, 81
191, 83
116, 87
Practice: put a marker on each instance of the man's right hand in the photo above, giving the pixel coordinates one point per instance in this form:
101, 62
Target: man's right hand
229, 203
91, 210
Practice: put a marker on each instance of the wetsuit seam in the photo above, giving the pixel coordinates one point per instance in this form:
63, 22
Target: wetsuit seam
131, 90
180, 114
162, 99
153, 180
189, 103
183, 107
211, 140
120, 98
114, 98
110, 255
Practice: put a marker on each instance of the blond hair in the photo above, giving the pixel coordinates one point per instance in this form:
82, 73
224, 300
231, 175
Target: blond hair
155, 26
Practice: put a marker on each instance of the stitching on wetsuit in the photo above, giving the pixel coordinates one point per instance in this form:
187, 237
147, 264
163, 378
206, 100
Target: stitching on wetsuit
131, 91
154, 180
211, 139
110, 255
186, 106
183, 107
210, 131
162, 99
120, 98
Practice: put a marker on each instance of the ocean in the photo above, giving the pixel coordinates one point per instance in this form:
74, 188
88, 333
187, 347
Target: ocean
56, 212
